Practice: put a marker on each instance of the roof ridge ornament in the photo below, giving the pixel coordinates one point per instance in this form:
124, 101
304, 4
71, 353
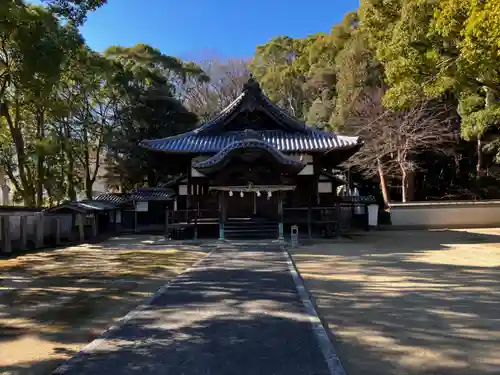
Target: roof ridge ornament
252, 84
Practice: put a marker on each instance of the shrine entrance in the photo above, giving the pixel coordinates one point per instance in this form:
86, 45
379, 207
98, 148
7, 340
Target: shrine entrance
262, 206
252, 204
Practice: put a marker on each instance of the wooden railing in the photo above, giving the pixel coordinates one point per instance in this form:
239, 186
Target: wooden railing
189, 218
329, 220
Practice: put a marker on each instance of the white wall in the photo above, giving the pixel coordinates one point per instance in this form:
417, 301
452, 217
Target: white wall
467, 214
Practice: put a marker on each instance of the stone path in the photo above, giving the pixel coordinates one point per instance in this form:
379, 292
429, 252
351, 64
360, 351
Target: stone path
237, 312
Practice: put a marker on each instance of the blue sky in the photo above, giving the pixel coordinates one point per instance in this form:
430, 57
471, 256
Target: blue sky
208, 28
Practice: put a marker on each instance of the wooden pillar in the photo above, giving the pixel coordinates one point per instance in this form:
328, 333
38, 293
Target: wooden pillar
309, 220
315, 176
222, 212
58, 231
280, 214
167, 219
115, 223
39, 230
81, 231
23, 228
94, 225
188, 193
6, 235
311, 203
196, 217
338, 215
135, 217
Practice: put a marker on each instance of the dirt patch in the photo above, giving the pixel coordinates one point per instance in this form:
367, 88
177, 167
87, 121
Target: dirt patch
411, 302
54, 302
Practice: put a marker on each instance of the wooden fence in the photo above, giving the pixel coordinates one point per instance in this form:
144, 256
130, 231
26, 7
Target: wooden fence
25, 230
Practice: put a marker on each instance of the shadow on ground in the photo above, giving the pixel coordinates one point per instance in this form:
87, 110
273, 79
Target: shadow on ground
54, 301
410, 302
239, 314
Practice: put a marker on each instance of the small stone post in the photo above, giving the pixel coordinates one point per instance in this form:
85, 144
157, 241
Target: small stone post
294, 235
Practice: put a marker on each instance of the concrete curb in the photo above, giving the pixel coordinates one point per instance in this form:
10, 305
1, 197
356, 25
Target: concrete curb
132, 314
334, 364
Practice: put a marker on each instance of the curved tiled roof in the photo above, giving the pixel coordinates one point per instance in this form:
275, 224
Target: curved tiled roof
282, 131
312, 140
225, 154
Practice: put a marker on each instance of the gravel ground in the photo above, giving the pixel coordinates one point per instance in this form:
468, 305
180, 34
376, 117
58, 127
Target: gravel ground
54, 302
410, 302
238, 312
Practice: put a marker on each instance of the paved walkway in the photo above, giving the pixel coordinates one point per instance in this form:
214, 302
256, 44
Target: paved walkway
238, 312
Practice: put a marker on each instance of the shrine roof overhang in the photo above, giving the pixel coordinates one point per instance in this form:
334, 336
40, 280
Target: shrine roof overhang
313, 140
257, 148
272, 125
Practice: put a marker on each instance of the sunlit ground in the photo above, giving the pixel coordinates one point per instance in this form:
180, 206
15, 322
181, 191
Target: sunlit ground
410, 302
52, 303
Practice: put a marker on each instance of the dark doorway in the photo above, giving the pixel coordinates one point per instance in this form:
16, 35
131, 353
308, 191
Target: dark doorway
251, 205
238, 206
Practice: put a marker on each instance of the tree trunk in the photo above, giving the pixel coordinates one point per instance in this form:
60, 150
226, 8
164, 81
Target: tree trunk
70, 173
383, 184
479, 164
89, 181
40, 122
88, 187
27, 192
408, 185
4, 188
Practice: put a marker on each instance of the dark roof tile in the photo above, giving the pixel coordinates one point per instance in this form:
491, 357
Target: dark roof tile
313, 140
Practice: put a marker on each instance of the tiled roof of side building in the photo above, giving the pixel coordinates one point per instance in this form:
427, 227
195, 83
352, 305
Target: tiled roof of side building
139, 194
152, 194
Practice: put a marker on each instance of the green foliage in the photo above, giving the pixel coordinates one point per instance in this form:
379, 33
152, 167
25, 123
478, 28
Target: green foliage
357, 69
63, 107
279, 70
66, 112
74, 10
441, 51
